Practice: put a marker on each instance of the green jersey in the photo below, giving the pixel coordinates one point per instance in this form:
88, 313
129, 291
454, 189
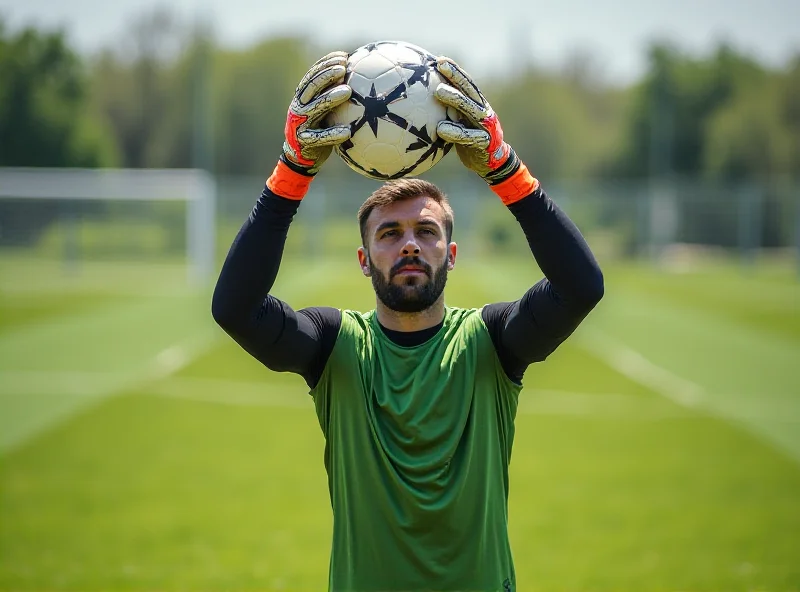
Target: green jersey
418, 443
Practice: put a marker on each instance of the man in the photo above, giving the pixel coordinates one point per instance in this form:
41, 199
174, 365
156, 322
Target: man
416, 399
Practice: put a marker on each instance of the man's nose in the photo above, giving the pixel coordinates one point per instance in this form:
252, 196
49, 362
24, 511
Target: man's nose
410, 248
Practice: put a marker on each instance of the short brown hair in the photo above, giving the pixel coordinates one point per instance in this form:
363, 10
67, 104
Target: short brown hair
400, 190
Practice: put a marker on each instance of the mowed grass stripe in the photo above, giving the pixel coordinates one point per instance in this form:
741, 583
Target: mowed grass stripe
59, 365
766, 300
18, 310
27, 275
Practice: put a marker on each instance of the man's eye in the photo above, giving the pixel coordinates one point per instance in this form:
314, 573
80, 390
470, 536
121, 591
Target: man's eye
389, 233
427, 231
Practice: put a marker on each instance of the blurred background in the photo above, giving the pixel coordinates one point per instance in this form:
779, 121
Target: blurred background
140, 448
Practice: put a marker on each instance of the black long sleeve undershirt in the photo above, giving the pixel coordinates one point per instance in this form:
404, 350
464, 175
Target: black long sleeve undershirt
523, 331
531, 328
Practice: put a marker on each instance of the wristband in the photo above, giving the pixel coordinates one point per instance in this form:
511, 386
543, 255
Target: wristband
288, 183
520, 184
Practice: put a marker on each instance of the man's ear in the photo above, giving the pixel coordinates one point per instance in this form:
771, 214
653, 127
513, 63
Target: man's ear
363, 261
452, 251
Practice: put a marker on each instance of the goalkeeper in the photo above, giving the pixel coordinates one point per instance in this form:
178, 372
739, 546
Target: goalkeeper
416, 399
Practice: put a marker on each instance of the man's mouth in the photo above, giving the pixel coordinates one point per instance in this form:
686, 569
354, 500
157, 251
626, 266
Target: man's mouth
411, 270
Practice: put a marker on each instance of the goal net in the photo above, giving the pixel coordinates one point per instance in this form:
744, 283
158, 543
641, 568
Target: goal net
116, 224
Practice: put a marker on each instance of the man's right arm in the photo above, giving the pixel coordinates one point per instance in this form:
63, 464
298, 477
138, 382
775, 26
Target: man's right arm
269, 329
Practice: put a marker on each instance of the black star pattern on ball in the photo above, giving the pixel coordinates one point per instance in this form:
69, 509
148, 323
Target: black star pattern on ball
377, 107
419, 73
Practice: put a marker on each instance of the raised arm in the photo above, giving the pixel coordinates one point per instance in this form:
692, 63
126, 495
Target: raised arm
269, 329
529, 329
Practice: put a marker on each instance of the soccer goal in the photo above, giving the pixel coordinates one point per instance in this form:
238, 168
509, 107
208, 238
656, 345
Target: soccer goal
112, 217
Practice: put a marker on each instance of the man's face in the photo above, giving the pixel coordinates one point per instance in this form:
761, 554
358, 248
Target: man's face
408, 255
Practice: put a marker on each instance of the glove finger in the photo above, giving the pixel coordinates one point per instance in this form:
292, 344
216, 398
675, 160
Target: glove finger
334, 58
454, 98
327, 102
322, 80
456, 133
337, 56
460, 79
324, 137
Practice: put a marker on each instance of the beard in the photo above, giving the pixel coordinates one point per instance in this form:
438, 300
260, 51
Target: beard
414, 294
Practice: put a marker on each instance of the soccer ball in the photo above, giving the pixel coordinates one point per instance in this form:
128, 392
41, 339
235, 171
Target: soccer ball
392, 112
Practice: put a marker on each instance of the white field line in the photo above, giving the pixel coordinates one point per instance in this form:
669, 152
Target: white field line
86, 389
230, 392
738, 411
632, 364
160, 381
532, 401
80, 383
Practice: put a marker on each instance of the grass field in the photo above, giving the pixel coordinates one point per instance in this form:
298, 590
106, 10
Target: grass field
140, 449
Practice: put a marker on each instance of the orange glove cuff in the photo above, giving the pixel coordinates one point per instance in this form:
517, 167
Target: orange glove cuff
520, 184
287, 183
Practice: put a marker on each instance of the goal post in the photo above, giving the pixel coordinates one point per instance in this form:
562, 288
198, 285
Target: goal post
197, 188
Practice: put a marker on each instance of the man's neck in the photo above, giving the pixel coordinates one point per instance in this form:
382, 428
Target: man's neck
411, 321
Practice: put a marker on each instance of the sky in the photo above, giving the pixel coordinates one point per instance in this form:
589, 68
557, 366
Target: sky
482, 35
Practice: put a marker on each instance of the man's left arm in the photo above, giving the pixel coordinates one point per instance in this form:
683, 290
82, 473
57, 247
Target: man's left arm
531, 328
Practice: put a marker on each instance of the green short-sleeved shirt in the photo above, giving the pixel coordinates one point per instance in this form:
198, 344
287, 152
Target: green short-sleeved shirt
418, 443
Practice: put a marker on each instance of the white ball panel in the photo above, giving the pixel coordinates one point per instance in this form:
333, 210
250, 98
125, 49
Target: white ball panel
419, 114
358, 55
399, 52
388, 81
404, 108
373, 65
382, 156
388, 133
360, 83
345, 114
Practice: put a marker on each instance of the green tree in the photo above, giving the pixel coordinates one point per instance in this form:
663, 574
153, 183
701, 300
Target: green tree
44, 119
748, 136
790, 108
251, 93
752, 141
561, 123
667, 123
134, 86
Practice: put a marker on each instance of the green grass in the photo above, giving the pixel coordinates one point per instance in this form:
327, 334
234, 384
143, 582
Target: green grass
191, 467
41, 308
764, 301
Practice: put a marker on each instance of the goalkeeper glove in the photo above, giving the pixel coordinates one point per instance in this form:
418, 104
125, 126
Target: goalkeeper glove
306, 146
478, 138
